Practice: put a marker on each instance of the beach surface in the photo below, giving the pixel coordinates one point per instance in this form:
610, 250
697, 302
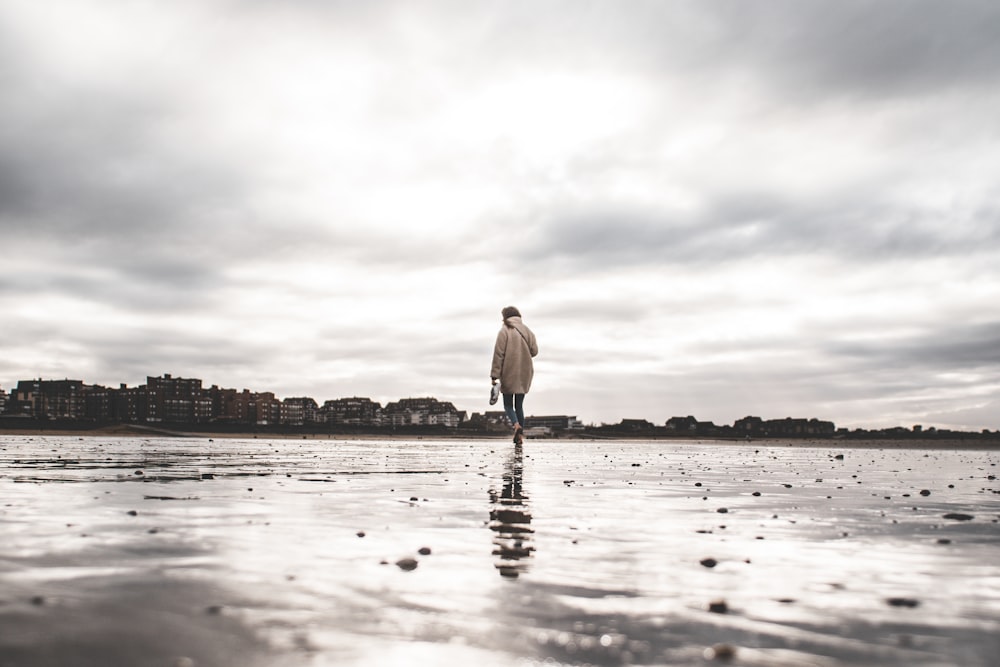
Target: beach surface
198, 552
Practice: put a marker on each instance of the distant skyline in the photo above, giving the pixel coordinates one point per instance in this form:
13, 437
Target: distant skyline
713, 208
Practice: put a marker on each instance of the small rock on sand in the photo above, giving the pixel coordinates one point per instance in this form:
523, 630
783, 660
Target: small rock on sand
709, 562
903, 602
958, 516
407, 564
723, 652
718, 607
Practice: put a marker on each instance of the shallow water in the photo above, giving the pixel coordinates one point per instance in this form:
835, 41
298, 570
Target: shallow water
193, 552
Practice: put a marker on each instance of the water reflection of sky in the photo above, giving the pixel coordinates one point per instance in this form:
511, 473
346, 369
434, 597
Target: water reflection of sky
293, 548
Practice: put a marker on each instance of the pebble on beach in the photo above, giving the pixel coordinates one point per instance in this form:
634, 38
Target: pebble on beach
407, 564
718, 607
958, 516
720, 652
709, 562
903, 602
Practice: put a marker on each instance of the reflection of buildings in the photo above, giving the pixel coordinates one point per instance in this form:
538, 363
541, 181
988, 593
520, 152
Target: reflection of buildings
510, 519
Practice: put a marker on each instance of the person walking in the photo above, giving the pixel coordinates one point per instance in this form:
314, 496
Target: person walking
513, 367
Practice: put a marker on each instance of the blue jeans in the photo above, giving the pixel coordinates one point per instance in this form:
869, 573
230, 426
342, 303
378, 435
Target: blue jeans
513, 405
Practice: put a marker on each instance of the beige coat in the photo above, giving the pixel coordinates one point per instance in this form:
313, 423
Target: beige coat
512, 355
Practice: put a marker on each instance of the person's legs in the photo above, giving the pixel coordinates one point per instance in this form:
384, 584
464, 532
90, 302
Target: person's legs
508, 407
519, 408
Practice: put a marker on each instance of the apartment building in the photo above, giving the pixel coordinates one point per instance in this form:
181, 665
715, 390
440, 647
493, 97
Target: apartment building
177, 400
755, 426
422, 412
555, 423
298, 411
48, 399
354, 411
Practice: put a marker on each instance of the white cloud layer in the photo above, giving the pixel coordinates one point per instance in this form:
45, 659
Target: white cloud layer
716, 208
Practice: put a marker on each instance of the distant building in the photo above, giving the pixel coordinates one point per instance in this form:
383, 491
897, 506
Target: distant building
798, 427
299, 411
752, 426
227, 406
263, 408
555, 423
49, 399
682, 424
354, 411
494, 421
788, 427
230, 406
291, 413
131, 403
177, 400
99, 403
635, 425
3, 400
422, 412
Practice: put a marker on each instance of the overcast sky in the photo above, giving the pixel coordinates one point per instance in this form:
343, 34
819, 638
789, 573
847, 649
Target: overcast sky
717, 208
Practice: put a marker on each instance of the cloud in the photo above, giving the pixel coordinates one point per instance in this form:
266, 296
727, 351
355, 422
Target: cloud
949, 348
691, 202
850, 227
870, 49
799, 51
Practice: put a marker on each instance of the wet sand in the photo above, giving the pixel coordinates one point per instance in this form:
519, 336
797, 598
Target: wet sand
201, 552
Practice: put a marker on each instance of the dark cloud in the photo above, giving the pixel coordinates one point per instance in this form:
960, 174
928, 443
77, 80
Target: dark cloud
952, 347
743, 225
804, 50
869, 48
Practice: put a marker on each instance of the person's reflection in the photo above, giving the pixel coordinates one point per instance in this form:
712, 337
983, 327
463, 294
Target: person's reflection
511, 520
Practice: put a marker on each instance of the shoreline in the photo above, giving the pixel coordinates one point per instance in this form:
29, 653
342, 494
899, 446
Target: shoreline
133, 430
